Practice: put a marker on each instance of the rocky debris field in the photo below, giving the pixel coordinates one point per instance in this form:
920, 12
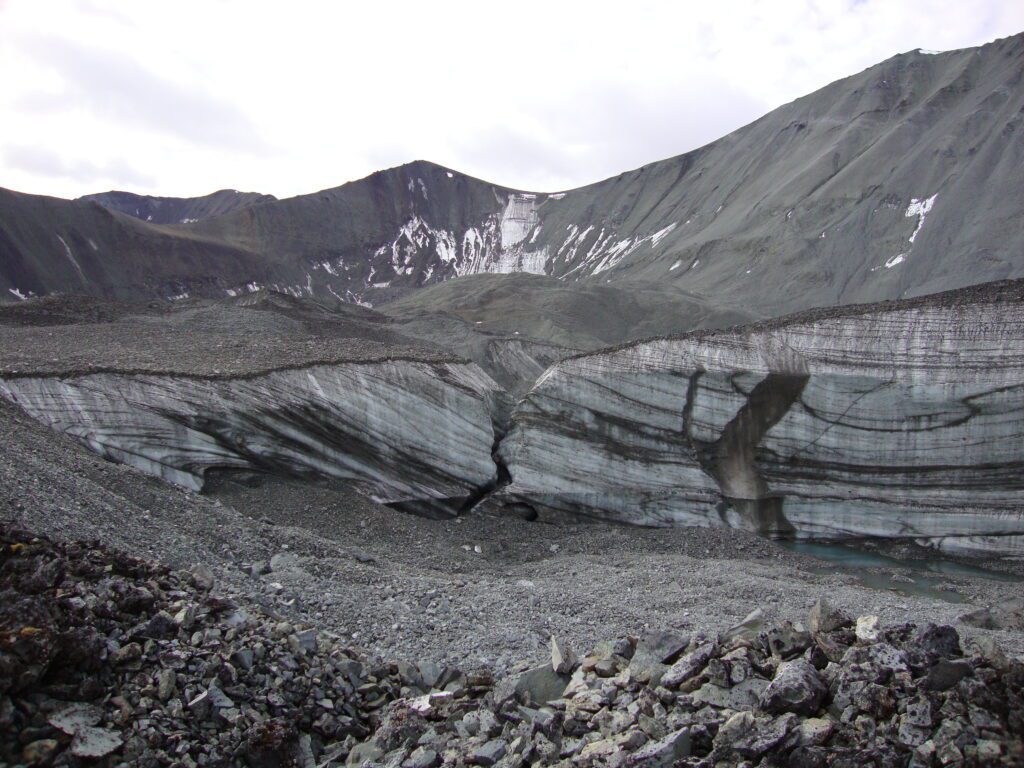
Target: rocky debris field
106, 659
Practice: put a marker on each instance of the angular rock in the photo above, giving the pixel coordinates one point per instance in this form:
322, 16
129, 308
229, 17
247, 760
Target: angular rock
563, 659
430, 672
489, 754
741, 696
1008, 614
937, 642
919, 713
747, 629
367, 752
93, 742
74, 717
161, 626
422, 757
202, 577
824, 617
812, 732
868, 629
40, 752
610, 666
533, 687
878, 661
752, 737
795, 688
664, 752
165, 684
688, 666
946, 673
306, 640
787, 640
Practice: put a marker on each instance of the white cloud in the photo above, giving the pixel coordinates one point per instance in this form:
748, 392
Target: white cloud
288, 98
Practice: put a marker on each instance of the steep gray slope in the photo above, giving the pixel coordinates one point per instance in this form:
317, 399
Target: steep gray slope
49, 245
898, 181
895, 420
177, 210
902, 180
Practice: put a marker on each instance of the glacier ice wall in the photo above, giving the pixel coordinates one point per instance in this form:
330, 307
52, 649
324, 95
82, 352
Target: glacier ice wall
414, 434
906, 423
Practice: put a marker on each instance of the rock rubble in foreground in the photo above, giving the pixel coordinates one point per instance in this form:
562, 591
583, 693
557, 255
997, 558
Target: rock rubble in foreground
110, 660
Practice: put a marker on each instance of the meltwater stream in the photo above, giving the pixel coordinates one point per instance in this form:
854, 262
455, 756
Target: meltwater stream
873, 569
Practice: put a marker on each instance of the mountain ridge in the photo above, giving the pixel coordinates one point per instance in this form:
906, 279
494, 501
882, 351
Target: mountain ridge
176, 210
822, 201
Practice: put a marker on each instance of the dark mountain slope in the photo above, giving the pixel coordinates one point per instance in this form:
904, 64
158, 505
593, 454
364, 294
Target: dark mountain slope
379, 236
177, 210
49, 245
898, 181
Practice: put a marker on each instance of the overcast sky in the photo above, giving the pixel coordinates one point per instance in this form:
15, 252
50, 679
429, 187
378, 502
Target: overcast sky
182, 98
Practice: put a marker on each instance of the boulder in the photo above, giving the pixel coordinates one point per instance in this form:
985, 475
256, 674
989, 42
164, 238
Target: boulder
795, 688
489, 754
746, 630
868, 629
824, 618
664, 752
787, 640
742, 696
563, 659
751, 736
1008, 614
534, 687
946, 673
688, 666
91, 742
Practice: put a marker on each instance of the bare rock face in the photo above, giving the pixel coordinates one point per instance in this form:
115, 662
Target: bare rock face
410, 433
897, 420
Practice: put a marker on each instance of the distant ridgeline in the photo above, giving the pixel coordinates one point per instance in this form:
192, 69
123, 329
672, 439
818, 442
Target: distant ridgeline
899, 181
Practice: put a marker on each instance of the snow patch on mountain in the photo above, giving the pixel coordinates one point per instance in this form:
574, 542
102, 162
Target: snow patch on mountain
497, 244
919, 208
606, 251
661, 234
72, 259
518, 218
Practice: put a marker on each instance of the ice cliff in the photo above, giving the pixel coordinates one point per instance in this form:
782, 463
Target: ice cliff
901, 420
417, 435
893, 422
